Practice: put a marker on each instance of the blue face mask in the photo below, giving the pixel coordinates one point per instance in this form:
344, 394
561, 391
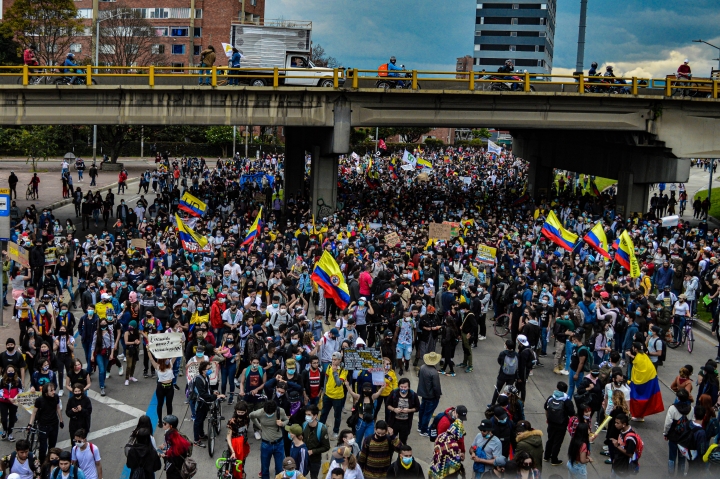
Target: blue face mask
290, 473
291, 371
208, 372
407, 460
298, 357
502, 421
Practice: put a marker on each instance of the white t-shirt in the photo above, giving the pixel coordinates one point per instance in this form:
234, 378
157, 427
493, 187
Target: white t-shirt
682, 308
23, 470
654, 346
86, 459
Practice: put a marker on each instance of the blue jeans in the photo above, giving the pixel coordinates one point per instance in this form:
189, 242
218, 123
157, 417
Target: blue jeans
227, 373
364, 429
577, 470
568, 353
67, 285
268, 450
543, 340
80, 173
176, 370
336, 405
674, 459
680, 321
205, 72
102, 363
427, 408
87, 345
572, 382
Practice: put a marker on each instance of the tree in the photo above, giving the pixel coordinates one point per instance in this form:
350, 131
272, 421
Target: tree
409, 134
10, 50
50, 24
482, 133
321, 59
127, 39
115, 137
220, 135
37, 141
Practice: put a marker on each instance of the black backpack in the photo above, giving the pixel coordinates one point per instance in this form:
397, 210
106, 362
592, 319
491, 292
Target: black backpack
679, 430
555, 410
433, 429
663, 353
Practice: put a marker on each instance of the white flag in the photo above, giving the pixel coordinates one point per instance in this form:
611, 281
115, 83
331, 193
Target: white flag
228, 49
409, 159
493, 148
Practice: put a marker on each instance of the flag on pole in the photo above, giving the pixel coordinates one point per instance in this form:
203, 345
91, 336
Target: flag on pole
493, 148
382, 145
594, 188
626, 255
192, 205
227, 48
409, 159
254, 230
328, 276
597, 240
423, 163
190, 240
554, 231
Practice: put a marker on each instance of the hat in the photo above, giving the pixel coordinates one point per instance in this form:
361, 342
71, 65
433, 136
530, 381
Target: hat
682, 296
500, 461
290, 363
105, 296
500, 413
363, 298
656, 329
256, 328
132, 297
10, 341
604, 295
288, 463
486, 425
461, 412
389, 334
294, 429
133, 323
522, 339
432, 358
430, 281
335, 332
221, 295
337, 355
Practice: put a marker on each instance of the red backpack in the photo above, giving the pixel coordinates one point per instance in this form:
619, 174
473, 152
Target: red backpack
638, 440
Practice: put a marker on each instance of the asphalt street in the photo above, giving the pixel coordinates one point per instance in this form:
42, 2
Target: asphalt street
115, 415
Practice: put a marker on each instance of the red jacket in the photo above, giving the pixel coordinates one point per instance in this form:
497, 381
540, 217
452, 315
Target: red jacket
216, 311
445, 424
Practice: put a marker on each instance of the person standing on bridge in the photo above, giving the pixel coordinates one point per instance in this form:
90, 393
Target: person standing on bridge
207, 60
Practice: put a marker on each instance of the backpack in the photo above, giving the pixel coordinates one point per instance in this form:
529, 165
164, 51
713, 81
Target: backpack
712, 456
433, 429
190, 444
137, 473
679, 430
590, 343
555, 410
295, 401
31, 462
590, 361
318, 430
510, 365
663, 354
74, 473
382, 70
639, 442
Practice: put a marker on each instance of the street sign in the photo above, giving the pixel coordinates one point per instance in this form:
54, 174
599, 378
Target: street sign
4, 205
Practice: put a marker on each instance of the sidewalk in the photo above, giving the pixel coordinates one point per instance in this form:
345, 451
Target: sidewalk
51, 183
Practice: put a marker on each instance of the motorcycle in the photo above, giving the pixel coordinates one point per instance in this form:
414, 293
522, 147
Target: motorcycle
603, 86
502, 83
80, 80
397, 82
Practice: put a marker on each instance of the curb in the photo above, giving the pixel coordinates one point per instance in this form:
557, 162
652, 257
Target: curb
67, 201
704, 328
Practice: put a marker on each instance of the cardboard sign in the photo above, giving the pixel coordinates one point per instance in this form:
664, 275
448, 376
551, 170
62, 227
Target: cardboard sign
259, 197
18, 254
440, 231
454, 228
138, 243
27, 400
363, 359
50, 257
392, 239
486, 254
166, 345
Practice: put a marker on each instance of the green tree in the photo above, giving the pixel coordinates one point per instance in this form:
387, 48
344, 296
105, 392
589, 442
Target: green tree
114, 138
220, 135
408, 134
36, 141
10, 50
482, 133
50, 24
127, 39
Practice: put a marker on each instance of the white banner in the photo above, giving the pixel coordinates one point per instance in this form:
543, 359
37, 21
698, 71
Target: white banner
669, 221
407, 167
166, 345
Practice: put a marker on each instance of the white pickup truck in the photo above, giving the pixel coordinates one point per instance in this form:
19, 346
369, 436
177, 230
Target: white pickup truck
279, 44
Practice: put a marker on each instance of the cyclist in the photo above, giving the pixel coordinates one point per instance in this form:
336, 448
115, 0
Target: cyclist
393, 67
684, 72
29, 57
681, 310
509, 67
70, 62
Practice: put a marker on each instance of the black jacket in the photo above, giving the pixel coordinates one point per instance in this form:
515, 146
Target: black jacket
80, 419
145, 457
414, 472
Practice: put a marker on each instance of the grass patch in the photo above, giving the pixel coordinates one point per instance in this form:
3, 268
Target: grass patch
601, 183
714, 201
703, 315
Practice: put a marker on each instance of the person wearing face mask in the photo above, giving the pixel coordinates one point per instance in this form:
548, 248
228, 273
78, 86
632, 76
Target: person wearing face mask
232, 319
48, 413
12, 357
316, 438
10, 387
217, 309
237, 437
79, 410
44, 323
342, 459
402, 404
64, 345
204, 397
103, 351
406, 466
52, 462
164, 390
270, 421
313, 382
148, 325
44, 373
377, 450
143, 456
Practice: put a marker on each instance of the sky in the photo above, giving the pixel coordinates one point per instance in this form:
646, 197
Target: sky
644, 38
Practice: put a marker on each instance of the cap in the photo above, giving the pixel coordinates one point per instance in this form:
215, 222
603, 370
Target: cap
604, 295
500, 461
337, 355
486, 425
295, 429
363, 298
290, 363
461, 412
335, 332
682, 296
500, 413
105, 296
133, 323
289, 463
430, 281
522, 339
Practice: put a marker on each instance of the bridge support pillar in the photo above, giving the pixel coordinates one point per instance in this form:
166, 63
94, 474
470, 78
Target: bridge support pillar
324, 183
631, 197
540, 177
294, 162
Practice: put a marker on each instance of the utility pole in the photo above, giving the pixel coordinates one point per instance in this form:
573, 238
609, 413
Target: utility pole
581, 38
234, 134
247, 134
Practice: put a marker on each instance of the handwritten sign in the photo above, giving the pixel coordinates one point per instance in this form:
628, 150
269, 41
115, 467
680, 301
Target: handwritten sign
27, 400
18, 254
363, 359
454, 228
138, 243
166, 345
259, 197
486, 254
392, 239
440, 231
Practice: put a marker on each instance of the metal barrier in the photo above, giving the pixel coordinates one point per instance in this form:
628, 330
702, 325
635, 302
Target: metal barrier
351, 78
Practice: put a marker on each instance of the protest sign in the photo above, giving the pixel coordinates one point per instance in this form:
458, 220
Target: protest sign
166, 345
486, 254
259, 197
18, 254
363, 359
27, 400
454, 228
440, 231
139, 243
392, 239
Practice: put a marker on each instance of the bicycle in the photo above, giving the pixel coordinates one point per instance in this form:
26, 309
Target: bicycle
31, 436
225, 464
683, 335
214, 420
30, 193
502, 325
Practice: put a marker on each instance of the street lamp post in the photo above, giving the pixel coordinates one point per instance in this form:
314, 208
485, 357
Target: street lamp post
712, 161
97, 50
581, 38
715, 47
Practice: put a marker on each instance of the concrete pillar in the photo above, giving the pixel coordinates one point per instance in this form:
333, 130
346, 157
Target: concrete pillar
631, 197
294, 161
324, 174
540, 178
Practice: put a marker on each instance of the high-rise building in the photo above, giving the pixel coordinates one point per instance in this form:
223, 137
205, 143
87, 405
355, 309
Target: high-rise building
520, 30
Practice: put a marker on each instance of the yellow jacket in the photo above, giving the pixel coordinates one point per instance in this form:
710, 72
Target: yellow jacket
390, 384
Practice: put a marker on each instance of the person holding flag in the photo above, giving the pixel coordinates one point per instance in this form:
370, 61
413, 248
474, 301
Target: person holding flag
190, 240
553, 230
328, 276
597, 240
254, 230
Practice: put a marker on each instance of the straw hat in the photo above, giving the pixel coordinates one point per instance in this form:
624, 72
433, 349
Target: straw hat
431, 359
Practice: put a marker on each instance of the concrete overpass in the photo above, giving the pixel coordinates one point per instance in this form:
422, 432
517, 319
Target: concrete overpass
639, 139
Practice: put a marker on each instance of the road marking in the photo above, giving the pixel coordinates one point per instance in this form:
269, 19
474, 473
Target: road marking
102, 432
132, 411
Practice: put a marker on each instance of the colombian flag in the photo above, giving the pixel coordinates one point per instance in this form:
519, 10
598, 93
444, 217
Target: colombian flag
597, 240
645, 397
190, 239
626, 255
328, 276
423, 163
554, 231
192, 205
254, 230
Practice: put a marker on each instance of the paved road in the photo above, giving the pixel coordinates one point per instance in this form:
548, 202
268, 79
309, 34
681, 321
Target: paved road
116, 414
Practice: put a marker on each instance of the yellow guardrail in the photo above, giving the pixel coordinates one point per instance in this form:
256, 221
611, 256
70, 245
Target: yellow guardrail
525, 82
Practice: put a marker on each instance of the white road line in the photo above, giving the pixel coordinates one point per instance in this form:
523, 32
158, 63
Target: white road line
122, 407
102, 432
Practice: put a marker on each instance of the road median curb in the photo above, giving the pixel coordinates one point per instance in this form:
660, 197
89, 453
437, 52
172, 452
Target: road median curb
67, 201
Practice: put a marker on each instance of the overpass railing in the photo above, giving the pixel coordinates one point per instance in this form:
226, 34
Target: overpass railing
358, 78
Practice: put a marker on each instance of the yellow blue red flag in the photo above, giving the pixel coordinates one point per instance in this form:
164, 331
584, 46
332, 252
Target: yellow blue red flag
191, 241
645, 396
625, 255
597, 240
328, 276
254, 230
192, 205
554, 231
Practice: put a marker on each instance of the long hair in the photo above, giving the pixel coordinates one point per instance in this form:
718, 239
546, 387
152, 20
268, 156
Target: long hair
581, 436
618, 399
